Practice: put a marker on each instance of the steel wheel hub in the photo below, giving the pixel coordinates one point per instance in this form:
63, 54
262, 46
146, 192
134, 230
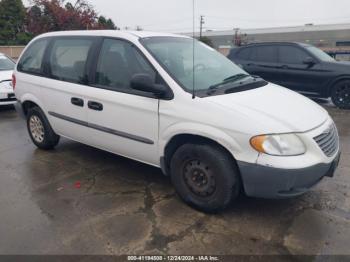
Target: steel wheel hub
199, 178
36, 129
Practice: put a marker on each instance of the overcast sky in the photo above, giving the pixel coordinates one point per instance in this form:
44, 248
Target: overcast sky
176, 15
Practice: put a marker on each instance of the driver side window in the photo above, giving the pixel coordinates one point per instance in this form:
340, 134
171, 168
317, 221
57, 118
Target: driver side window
291, 55
118, 62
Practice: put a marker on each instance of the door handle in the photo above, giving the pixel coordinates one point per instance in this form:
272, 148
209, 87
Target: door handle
95, 106
77, 101
284, 67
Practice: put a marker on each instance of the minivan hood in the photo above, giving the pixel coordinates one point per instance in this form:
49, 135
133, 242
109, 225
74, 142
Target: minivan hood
276, 109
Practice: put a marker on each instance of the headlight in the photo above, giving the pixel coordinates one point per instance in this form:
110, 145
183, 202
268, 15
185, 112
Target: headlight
279, 145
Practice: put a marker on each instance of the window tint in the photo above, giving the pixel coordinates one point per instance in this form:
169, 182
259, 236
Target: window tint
68, 59
118, 62
291, 55
6, 63
264, 54
31, 60
175, 54
320, 54
244, 54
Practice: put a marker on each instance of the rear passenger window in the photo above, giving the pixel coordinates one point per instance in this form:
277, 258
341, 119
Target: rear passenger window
118, 62
68, 59
265, 54
291, 55
31, 60
244, 54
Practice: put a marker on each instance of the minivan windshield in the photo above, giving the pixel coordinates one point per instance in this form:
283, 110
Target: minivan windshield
320, 54
210, 69
6, 63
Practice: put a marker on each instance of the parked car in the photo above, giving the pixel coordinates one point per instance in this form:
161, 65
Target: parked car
213, 128
7, 96
340, 55
300, 67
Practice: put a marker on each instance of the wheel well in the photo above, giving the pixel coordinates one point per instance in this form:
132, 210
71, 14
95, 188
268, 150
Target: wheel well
28, 105
336, 81
179, 140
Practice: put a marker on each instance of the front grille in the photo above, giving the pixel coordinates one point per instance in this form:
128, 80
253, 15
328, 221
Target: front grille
328, 141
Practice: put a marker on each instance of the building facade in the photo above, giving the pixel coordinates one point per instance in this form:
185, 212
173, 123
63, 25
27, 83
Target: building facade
330, 38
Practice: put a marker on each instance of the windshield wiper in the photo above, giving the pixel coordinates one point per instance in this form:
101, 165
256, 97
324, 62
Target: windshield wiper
212, 89
236, 77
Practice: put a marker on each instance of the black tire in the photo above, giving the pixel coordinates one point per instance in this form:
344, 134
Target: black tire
47, 139
341, 94
220, 185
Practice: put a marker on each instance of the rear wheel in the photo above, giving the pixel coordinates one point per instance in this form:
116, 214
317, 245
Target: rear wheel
205, 176
40, 130
341, 94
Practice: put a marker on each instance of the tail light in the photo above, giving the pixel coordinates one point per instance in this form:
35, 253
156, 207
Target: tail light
14, 81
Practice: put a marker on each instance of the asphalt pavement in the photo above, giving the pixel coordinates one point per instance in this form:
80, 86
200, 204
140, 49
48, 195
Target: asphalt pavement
81, 200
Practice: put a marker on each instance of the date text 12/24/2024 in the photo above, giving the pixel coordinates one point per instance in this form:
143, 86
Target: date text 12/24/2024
173, 258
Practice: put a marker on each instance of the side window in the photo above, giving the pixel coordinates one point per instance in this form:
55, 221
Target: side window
143, 65
291, 55
32, 59
244, 54
68, 59
118, 62
265, 54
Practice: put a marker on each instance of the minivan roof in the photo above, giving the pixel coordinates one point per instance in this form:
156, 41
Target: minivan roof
111, 33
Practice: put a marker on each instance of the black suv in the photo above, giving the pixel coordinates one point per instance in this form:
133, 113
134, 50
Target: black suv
300, 67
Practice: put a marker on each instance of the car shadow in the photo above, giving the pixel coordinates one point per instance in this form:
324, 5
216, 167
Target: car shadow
113, 169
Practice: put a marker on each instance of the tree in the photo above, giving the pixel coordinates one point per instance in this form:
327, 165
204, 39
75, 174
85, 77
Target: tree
19, 25
60, 15
110, 25
104, 23
207, 41
12, 17
56, 15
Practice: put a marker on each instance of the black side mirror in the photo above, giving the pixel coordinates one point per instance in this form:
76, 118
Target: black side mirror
144, 82
309, 61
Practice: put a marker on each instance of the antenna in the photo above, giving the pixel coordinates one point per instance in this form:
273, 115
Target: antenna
201, 27
193, 73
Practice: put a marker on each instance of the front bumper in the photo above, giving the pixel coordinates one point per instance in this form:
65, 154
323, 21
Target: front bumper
7, 98
268, 182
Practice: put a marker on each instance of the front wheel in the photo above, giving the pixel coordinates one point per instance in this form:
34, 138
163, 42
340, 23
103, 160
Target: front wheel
341, 94
205, 176
40, 130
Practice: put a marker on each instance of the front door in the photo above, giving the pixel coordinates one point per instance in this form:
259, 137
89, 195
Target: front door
295, 74
122, 120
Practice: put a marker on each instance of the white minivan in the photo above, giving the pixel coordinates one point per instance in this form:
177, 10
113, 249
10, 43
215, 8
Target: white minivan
213, 128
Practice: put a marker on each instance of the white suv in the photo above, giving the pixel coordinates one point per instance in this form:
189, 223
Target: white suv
7, 96
209, 125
